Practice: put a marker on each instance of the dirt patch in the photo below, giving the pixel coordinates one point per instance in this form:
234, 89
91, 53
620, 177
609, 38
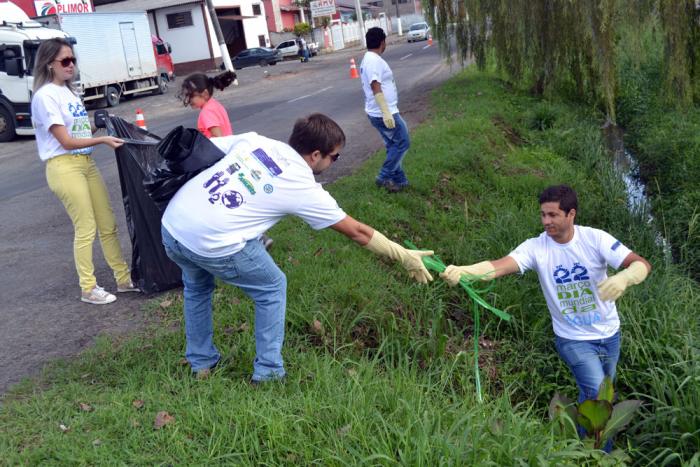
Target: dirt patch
511, 134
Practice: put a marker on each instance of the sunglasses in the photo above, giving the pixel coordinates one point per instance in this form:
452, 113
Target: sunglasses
67, 61
334, 157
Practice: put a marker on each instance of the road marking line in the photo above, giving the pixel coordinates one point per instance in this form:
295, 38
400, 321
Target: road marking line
406, 56
426, 47
309, 95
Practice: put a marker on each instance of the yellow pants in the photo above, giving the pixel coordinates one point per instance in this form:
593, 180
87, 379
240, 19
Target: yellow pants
76, 181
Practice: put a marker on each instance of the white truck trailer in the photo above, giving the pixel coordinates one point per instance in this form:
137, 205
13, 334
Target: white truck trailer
115, 54
19, 40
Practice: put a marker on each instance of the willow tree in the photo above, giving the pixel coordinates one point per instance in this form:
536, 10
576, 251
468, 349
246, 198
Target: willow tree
543, 43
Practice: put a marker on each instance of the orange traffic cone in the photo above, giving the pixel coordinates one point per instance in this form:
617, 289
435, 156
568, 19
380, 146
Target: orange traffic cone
430, 39
353, 69
140, 120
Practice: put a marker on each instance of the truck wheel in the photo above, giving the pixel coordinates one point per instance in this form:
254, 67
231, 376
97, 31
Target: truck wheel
162, 86
7, 125
112, 96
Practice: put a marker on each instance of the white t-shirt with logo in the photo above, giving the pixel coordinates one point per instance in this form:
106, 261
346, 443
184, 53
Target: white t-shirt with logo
569, 274
374, 68
57, 105
249, 190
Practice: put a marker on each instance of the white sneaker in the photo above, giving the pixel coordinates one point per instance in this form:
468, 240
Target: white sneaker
97, 296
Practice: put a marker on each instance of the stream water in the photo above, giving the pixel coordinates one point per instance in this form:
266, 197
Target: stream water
627, 167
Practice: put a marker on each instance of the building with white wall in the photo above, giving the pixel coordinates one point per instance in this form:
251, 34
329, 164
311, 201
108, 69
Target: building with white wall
187, 27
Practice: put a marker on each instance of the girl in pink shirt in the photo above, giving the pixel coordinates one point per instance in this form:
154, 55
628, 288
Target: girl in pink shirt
198, 92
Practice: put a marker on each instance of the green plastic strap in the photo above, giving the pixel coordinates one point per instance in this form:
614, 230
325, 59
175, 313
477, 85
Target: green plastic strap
434, 263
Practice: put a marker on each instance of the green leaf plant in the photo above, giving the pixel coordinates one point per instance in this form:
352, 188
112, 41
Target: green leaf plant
599, 417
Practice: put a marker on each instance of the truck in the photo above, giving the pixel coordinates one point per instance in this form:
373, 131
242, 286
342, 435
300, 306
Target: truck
117, 55
19, 41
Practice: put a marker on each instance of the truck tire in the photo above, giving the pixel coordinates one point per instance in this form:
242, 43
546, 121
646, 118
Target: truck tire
162, 86
7, 125
112, 96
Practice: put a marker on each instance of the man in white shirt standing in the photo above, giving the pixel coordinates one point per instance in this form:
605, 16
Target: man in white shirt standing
212, 225
572, 262
381, 106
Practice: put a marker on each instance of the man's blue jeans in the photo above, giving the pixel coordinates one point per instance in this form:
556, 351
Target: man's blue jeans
590, 362
253, 271
397, 143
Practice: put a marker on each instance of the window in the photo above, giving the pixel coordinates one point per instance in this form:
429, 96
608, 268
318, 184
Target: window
256, 9
179, 20
261, 41
8, 52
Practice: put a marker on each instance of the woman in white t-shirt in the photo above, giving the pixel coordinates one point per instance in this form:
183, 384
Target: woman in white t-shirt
65, 142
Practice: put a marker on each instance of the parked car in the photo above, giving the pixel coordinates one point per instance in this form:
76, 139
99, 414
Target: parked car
313, 48
257, 56
418, 32
288, 48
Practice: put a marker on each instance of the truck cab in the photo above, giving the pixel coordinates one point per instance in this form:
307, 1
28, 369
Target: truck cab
19, 40
164, 62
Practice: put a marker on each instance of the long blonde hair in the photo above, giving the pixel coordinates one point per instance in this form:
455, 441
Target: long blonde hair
47, 53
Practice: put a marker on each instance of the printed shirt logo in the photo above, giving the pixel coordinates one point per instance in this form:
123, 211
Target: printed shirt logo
615, 245
577, 302
267, 162
248, 172
80, 127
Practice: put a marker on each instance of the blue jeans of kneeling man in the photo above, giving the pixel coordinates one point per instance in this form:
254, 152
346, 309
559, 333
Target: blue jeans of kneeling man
397, 142
256, 274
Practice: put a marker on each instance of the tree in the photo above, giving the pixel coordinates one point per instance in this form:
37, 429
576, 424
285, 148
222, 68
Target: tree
543, 43
302, 29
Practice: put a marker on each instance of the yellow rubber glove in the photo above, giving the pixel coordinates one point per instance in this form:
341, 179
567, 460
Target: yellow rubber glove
613, 287
409, 259
386, 115
483, 271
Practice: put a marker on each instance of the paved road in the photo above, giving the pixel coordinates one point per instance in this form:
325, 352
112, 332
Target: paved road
42, 318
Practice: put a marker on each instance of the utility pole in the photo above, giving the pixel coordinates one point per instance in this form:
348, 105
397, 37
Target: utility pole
361, 20
220, 37
398, 18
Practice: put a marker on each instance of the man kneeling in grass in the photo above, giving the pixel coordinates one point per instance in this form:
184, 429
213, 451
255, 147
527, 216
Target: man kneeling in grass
571, 262
211, 226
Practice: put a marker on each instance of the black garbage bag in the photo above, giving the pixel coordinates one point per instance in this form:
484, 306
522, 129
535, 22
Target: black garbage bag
184, 152
151, 269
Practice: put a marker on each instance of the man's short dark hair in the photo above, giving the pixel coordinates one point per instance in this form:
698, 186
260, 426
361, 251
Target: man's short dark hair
316, 132
564, 194
375, 37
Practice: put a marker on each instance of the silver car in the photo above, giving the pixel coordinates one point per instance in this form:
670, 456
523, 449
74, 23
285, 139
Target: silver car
418, 32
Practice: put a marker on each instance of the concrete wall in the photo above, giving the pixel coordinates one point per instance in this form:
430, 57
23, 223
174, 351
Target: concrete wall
189, 43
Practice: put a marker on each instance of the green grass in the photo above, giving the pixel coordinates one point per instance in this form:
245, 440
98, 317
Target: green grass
388, 378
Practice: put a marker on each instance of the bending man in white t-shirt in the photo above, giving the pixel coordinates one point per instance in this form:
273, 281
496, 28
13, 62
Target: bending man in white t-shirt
212, 225
382, 108
572, 262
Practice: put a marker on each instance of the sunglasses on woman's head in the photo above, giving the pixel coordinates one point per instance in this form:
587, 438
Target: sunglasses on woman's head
65, 62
